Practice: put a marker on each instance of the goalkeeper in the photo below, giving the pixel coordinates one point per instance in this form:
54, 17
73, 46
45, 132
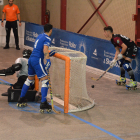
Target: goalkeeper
36, 67
21, 69
126, 50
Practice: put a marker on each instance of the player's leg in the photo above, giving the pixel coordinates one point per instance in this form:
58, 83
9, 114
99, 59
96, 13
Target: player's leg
15, 31
8, 30
44, 90
29, 81
131, 54
42, 75
27, 84
122, 79
20, 82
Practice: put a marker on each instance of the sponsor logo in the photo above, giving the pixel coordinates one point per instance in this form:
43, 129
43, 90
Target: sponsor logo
64, 43
82, 47
28, 38
109, 55
95, 52
72, 45
118, 41
53, 41
31, 36
35, 35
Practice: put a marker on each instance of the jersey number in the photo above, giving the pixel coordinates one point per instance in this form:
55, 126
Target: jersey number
36, 43
124, 37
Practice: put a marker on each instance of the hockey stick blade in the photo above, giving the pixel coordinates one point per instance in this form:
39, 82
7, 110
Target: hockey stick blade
93, 79
57, 112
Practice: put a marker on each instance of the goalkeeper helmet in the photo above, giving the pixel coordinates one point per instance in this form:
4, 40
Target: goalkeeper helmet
26, 53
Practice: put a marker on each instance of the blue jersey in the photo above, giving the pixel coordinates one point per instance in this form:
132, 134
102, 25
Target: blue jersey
41, 40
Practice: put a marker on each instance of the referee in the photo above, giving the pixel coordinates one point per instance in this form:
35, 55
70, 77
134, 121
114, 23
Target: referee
12, 13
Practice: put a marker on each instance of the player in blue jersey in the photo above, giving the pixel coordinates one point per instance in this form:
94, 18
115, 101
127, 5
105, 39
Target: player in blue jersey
37, 67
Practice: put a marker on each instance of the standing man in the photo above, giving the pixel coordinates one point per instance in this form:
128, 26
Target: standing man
126, 50
36, 67
12, 12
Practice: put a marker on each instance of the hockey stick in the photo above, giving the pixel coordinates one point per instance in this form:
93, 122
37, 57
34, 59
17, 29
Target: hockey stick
103, 73
8, 84
58, 112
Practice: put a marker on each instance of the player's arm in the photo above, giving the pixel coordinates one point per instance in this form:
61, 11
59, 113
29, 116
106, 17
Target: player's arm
46, 52
3, 15
117, 52
46, 55
124, 48
113, 62
11, 70
18, 15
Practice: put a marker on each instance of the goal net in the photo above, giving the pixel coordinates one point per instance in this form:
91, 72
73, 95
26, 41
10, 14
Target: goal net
68, 79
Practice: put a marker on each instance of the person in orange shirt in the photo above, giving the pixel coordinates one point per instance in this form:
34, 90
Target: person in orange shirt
12, 13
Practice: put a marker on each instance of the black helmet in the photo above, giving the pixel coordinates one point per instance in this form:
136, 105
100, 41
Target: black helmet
26, 53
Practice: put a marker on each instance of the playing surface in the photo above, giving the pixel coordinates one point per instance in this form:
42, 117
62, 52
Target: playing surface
115, 115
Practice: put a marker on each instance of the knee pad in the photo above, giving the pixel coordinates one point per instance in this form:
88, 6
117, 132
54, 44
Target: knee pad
121, 62
127, 66
45, 83
29, 82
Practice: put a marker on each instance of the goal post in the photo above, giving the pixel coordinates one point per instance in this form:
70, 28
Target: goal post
68, 80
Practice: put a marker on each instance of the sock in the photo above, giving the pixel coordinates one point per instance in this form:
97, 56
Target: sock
24, 90
44, 91
131, 74
122, 72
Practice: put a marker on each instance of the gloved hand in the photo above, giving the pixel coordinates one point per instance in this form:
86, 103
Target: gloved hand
48, 64
120, 56
52, 53
113, 62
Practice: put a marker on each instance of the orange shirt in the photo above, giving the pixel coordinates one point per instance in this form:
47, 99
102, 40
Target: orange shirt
11, 12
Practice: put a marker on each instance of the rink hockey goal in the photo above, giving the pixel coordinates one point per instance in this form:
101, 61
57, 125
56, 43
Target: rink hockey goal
68, 79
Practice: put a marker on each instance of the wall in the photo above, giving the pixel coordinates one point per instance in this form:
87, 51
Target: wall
54, 8
117, 13
30, 10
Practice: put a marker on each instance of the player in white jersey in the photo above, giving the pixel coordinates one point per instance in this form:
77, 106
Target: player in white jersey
36, 67
20, 67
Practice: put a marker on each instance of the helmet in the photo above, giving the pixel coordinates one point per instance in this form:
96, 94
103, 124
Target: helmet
26, 53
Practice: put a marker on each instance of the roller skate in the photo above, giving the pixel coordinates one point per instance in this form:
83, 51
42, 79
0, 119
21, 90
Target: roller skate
131, 85
21, 102
121, 81
45, 106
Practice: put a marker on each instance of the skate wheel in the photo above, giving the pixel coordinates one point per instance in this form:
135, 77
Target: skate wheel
129, 88
135, 88
19, 105
123, 84
41, 111
118, 83
49, 110
24, 104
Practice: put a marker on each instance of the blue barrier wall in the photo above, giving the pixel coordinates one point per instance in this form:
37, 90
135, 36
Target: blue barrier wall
99, 52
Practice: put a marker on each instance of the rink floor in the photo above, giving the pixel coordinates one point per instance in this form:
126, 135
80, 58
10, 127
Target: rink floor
116, 114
